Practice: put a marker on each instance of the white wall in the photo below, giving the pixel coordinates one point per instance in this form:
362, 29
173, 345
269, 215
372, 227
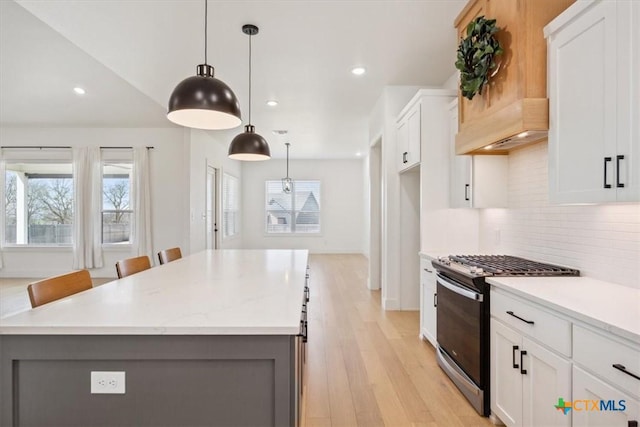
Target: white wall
168, 197
382, 126
602, 241
207, 148
341, 203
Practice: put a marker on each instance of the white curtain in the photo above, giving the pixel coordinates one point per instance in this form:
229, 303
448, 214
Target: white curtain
3, 208
142, 244
87, 198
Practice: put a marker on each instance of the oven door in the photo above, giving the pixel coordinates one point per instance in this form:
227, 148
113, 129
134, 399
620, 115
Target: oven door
460, 314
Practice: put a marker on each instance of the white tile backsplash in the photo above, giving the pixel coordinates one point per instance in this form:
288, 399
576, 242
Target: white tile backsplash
602, 241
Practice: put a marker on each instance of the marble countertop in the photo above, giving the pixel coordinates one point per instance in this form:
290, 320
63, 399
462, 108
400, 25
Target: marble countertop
614, 308
214, 292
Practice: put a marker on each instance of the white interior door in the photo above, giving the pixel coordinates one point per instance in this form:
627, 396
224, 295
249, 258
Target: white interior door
211, 211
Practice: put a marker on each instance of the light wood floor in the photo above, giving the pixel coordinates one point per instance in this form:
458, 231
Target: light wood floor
367, 367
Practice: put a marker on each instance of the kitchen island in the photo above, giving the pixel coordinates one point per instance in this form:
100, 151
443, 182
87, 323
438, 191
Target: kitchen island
210, 339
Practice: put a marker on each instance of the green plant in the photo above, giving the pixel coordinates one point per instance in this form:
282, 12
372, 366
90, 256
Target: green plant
476, 56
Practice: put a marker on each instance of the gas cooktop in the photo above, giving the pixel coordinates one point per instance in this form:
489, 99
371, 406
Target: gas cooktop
502, 265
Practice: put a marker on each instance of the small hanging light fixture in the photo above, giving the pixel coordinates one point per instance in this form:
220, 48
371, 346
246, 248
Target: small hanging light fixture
249, 145
287, 183
202, 101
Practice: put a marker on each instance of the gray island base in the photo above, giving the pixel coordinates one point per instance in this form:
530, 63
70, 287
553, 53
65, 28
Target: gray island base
216, 338
170, 380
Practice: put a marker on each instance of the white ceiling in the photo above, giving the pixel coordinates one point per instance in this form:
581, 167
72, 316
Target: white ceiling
301, 57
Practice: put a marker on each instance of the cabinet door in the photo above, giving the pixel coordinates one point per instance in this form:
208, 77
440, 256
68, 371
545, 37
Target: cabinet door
506, 379
415, 136
629, 85
582, 102
548, 377
429, 304
402, 143
460, 169
589, 388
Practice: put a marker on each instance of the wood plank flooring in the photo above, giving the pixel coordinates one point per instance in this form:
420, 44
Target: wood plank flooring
367, 367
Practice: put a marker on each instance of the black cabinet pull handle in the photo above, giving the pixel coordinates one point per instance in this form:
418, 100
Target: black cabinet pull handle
632, 423
606, 160
404, 157
622, 368
427, 270
618, 183
435, 300
522, 370
466, 191
513, 357
304, 331
530, 322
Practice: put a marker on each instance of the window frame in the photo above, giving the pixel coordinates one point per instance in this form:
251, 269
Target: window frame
223, 205
293, 233
112, 156
42, 157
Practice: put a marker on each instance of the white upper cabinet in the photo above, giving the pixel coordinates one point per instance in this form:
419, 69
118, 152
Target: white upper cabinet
475, 181
594, 93
409, 137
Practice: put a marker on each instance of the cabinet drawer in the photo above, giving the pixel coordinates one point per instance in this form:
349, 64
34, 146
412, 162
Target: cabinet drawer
599, 354
532, 321
427, 271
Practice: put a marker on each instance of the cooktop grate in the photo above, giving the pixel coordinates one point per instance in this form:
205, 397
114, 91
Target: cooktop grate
506, 265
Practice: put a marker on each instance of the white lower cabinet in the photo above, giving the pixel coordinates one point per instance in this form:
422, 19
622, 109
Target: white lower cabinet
527, 380
506, 379
548, 377
428, 301
621, 410
540, 355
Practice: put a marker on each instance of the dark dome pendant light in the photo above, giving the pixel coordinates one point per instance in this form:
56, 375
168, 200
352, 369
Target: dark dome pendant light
249, 146
202, 101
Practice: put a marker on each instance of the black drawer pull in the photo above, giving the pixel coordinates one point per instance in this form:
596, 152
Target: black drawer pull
435, 300
618, 183
530, 322
522, 370
513, 356
466, 192
404, 157
606, 160
622, 368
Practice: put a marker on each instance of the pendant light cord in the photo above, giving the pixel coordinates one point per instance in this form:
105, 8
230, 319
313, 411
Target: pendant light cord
206, 2
250, 78
287, 160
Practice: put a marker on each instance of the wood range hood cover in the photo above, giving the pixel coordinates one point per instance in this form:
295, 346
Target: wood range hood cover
513, 109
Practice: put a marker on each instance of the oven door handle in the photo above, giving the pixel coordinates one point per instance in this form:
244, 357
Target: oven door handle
458, 289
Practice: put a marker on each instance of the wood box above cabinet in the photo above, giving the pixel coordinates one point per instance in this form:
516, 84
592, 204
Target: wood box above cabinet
513, 108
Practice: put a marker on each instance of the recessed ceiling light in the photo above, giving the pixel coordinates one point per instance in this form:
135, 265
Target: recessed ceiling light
79, 91
488, 147
523, 134
358, 154
272, 103
358, 71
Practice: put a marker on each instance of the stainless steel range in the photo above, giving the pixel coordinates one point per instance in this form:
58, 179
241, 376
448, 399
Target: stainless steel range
463, 316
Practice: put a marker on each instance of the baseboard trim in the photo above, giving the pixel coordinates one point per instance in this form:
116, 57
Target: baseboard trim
390, 304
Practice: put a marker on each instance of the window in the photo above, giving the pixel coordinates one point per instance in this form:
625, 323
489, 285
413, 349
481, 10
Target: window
117, 213
230, 205
295, 212
38, 203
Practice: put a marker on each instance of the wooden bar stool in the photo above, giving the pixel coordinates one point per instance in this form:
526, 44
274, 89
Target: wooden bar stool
169, 255
54, 288
129, 266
